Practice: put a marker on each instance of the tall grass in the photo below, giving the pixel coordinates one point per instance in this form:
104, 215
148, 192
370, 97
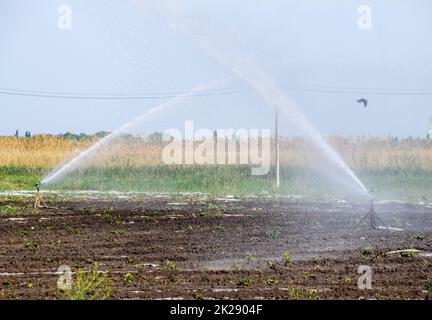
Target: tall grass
38, 152
132, 163
43, 152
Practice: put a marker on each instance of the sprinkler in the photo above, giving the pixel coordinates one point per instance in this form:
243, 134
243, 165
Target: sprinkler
371, 215
39, 203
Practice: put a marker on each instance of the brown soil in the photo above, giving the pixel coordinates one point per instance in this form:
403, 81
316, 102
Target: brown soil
221, 249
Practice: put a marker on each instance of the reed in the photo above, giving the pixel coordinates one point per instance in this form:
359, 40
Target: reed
396, 166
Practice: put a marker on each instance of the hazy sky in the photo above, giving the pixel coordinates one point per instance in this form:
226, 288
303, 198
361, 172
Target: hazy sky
115, 47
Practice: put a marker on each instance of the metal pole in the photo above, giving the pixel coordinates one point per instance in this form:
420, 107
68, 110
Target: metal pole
277, 150
429, 134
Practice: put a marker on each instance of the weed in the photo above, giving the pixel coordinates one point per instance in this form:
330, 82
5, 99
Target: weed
273, 234
345, 280
269, 263
110, 217
169, 265
107, 216
367, 251
220, 227
11, 198
294, 294
286, 259
310, 275
68, 229
270, 282
31, 245
318, 268
245, 282
119, 220
24, 233
128, 277
429, 286
91, 285
8, 211
119, 232
208, 214
189, 229
249, 257
298, 294
131, 260
407, 254
198, 296
420, 236
213, 211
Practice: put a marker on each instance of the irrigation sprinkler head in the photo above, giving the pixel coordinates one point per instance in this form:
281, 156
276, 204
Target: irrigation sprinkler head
37, 186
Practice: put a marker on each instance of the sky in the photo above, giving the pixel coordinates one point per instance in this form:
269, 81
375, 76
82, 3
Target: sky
126, 47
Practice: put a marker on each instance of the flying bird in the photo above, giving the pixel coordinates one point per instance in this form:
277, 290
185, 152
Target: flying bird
363, 101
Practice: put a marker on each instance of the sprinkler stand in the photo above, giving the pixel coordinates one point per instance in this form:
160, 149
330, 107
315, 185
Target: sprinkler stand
39, 202
372, 216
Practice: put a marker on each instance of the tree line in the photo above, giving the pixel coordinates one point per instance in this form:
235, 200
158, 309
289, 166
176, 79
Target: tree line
66, 136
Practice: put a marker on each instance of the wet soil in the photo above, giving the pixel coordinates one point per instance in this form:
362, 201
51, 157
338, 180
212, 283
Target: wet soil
221, 249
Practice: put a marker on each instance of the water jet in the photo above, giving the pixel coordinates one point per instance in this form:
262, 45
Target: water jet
246, 69
87, 153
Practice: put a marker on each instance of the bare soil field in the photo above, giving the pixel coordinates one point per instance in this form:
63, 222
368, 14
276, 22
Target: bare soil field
219, 249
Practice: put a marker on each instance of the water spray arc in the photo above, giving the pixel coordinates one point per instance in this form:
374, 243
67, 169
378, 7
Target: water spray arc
76, 161
248, 71
251, 73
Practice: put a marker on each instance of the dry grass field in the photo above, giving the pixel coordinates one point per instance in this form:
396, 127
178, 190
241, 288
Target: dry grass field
382, 163
361, 153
